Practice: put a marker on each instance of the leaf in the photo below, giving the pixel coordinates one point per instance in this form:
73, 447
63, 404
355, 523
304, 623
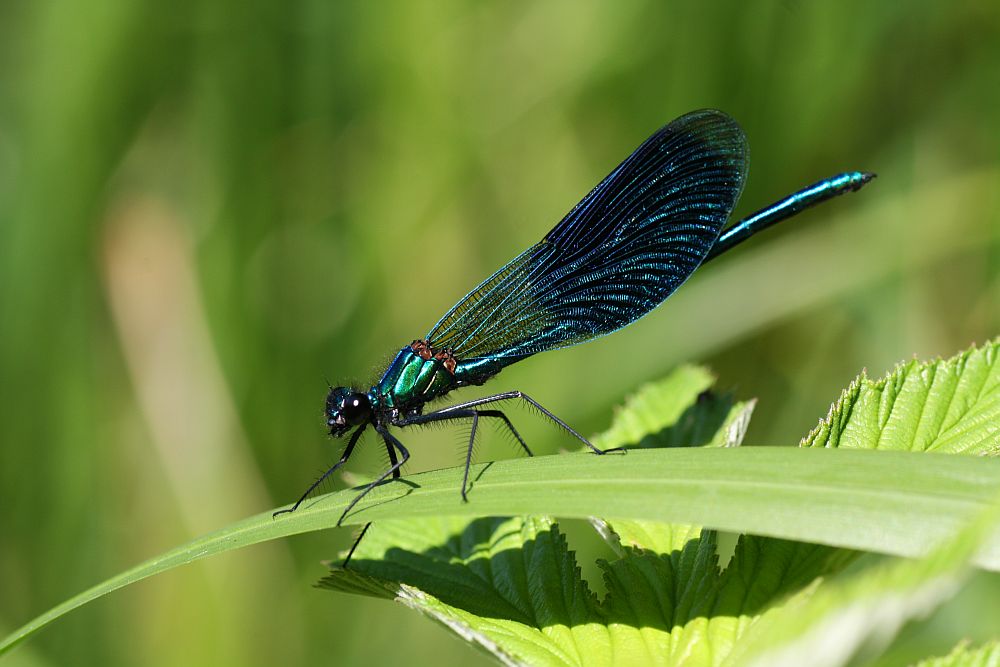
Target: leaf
508, 585
889, 502
657, 415
700, 610
660, 605
678, 411
987, 655
939, 406
829, 627
708, 608
668, 601
512, 587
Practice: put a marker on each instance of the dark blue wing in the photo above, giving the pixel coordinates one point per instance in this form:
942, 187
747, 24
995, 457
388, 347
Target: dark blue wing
617, 255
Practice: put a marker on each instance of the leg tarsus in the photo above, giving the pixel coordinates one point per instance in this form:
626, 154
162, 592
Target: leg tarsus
312, 487
395, 475
354, 546
390, 441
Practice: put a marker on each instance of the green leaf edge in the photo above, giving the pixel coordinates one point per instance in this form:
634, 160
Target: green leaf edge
985, 655
889, 502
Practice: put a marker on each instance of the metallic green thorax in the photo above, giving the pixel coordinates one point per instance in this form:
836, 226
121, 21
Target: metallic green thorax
418, 375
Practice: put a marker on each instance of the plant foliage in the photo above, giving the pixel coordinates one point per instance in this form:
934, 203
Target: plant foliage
511, 584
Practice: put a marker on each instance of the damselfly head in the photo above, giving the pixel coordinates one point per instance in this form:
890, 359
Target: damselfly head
345, 409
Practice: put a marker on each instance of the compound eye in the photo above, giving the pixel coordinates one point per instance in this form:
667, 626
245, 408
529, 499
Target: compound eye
356, 409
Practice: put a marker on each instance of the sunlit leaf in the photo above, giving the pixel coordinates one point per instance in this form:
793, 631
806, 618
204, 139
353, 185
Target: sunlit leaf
950, 406
987, 655
865, 612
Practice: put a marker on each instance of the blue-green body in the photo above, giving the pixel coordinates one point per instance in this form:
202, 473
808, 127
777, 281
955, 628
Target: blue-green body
413, 380
794, 203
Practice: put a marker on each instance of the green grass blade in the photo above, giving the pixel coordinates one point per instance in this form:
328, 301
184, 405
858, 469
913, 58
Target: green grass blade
891, 502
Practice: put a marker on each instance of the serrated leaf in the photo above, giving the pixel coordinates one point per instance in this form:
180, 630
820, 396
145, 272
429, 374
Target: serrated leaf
510, 585
678, 411
987, 655
660, 610
765, 569
761, 571
659, 605
842, 618
950, 406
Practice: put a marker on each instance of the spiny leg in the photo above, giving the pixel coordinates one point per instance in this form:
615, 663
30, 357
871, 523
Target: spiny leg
343, 459
450, 413
460, 414
510, 395
390, 441
474, 415
361, 535
448, 416
498, 414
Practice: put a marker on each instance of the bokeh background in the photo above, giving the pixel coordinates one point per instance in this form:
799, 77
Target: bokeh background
209, 209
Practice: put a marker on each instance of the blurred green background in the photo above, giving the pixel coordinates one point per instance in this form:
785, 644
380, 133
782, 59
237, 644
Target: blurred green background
207, 209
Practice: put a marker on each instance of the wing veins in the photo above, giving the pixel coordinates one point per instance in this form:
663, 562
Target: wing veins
623, 249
